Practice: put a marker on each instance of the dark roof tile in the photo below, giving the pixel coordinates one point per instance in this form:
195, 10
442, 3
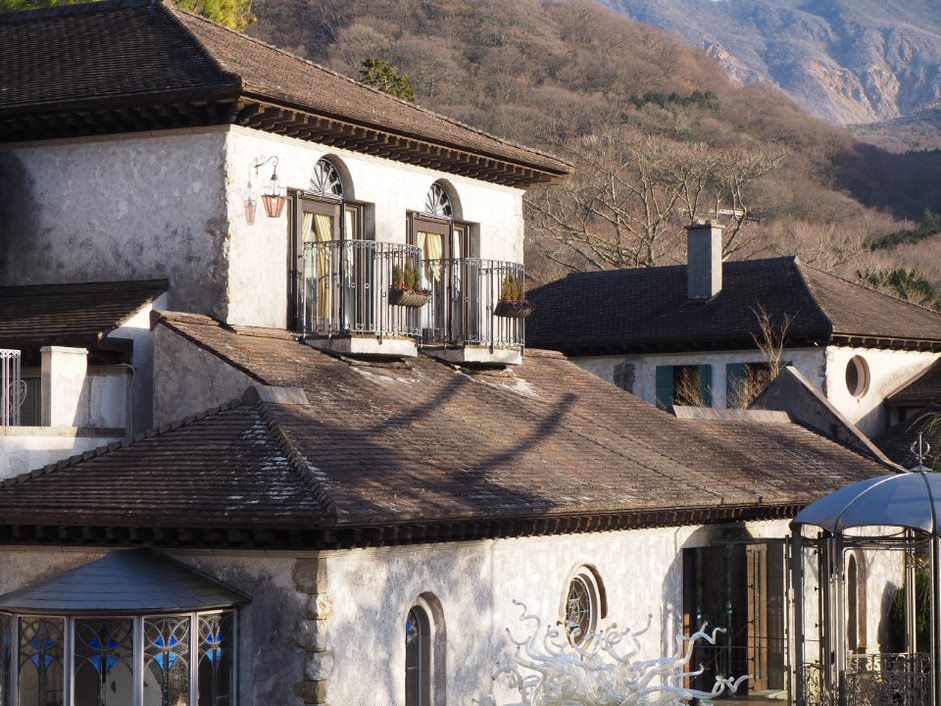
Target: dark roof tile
121, 52
70, 314
648, 307
430, 443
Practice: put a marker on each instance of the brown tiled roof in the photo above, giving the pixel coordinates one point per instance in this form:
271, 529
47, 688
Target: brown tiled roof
135, 53
70, 314
923, 390
223, 468
648, 309
383, 446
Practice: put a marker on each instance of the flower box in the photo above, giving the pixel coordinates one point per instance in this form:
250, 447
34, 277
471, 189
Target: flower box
410, 298
514, 308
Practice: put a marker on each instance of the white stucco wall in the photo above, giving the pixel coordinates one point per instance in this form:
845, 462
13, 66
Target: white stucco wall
809, 361
258, 253
888, 370
189, 379
24, 449
476, 583
135, 206
137, 329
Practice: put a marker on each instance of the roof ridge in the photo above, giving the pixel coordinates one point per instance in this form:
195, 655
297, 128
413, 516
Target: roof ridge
799, 266
299, 464
152, 433
911, 381
385, 95
170, 11
171, 324
873, 290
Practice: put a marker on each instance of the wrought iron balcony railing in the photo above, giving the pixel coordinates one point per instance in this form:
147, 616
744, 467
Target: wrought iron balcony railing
465, 294
882, 679
12, 388
348, 288
386, 289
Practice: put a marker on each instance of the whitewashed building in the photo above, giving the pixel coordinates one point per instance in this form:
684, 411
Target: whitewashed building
653, 331
354, 467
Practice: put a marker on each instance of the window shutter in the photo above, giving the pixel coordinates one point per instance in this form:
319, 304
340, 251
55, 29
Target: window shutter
624, 376
664, 386
735, 376
705, 384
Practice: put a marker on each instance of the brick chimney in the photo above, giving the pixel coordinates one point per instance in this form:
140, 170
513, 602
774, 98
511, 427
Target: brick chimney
704, 260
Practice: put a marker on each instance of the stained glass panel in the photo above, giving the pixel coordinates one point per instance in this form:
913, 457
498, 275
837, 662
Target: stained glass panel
41, 679
578, 611
6, 658
215, 659
167, 661
104, 651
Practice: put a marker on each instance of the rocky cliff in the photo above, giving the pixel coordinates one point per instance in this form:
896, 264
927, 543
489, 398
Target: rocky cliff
847, 61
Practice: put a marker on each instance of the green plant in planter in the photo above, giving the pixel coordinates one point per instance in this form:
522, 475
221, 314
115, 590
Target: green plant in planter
406, 278
512, 289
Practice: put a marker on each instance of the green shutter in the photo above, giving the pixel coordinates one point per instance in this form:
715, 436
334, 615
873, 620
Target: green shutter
705, 384
735, 375
664, 386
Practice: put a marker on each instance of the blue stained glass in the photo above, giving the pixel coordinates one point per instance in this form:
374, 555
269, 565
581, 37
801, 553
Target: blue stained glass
167, 658
104, 650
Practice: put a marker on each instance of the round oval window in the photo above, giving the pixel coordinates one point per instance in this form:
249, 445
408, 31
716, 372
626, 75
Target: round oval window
857, 376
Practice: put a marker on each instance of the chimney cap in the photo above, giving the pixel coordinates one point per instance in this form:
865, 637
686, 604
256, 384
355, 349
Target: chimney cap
703, 223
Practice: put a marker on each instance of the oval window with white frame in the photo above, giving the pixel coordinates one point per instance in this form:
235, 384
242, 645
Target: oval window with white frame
857, 376
582, 606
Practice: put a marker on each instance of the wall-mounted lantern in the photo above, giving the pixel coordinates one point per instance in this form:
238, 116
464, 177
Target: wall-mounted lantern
251, 202
274, 196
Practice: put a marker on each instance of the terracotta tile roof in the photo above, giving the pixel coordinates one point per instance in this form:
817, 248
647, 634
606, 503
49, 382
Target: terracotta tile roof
642, 309
120, 53
391, 445
923, 390
70, 314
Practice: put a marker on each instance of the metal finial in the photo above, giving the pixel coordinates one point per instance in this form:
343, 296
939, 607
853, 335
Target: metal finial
920, 450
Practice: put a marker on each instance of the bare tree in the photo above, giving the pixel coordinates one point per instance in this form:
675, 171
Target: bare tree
770, 340
631, 194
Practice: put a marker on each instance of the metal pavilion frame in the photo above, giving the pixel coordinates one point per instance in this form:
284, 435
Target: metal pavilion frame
837, 677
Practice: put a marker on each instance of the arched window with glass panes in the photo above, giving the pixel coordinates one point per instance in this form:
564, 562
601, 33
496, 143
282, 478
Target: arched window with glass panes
447, 245
325, 215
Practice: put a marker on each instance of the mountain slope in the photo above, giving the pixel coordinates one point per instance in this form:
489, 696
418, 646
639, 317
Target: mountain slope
847, 61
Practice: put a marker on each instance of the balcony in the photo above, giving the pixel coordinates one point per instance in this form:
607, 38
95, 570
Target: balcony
352, 302
461, 322
346, 297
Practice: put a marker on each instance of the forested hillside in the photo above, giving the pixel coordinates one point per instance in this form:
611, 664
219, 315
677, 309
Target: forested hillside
655, 128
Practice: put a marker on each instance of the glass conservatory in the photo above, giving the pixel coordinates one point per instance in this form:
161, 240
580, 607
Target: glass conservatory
132, 629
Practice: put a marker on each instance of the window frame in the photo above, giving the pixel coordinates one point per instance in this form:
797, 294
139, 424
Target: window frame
588, 576
138, 657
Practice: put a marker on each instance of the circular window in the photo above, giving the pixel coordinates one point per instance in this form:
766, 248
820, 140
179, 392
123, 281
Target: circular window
857, 376
581, 608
